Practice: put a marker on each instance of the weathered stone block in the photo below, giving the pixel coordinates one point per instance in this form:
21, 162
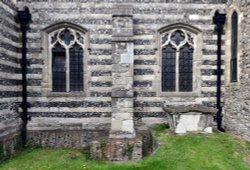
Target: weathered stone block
119, 80
121, 68
122, 10
116, 125
96, 150
122, 26
122, 103
121, 150
122, 92
123, 116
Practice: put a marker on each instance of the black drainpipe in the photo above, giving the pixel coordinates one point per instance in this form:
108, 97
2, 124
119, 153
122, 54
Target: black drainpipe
24, 18
219, 21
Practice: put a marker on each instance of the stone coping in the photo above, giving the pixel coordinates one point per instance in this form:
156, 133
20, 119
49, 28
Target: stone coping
186, 109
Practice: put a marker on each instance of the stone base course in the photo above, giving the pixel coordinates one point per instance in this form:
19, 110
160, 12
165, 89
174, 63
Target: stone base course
9, 144
66, 138
120, 150
96, 143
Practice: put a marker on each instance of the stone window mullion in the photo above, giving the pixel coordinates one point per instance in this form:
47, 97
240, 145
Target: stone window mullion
50, 67
177, 70
67, 70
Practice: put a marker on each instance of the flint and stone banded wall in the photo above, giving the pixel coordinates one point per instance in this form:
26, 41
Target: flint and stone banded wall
237, 105
95, 109
10, 78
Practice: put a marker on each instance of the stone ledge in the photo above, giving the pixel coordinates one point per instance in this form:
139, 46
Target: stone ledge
184, 109
121, 134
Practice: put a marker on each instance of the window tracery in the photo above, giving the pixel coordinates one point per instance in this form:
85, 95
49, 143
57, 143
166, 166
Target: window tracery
67, 53
177, 61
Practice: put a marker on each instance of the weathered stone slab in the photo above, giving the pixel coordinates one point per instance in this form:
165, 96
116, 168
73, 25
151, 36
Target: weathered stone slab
122, 92
193, 118
182, 109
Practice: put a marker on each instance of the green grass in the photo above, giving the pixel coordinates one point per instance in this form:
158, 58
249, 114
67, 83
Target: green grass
158, 129
189, 152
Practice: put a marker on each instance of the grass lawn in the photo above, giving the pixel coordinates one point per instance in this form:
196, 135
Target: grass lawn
192, 151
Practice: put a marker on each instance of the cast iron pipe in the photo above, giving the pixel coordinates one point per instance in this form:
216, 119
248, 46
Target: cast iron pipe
219, 21
24, 18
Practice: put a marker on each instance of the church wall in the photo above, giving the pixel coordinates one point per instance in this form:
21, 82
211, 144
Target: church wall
10, 79
93, 111
237, 99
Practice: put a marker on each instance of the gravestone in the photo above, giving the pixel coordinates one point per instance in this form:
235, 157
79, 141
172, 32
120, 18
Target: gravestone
192, 118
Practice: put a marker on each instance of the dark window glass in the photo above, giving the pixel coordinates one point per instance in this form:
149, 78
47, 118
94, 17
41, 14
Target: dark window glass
186, 69
168, 68
58, 69
177, 37
76, 68
66, 36
234, 47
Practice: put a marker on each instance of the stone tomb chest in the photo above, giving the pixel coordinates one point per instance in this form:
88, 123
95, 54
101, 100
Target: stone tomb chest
191, 118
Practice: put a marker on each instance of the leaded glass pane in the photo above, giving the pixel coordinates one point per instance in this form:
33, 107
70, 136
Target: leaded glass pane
80, 38
168, 68
58, 69
164, 38
54, 38
186, 69
66, 36
234, 46
177, 37
76, 68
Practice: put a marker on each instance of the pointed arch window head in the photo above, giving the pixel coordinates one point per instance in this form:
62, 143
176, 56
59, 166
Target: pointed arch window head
67, 56
177, 57
234, 47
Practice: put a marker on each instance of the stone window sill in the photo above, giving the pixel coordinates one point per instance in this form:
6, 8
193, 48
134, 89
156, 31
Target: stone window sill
178, 94
66, 94
234, 83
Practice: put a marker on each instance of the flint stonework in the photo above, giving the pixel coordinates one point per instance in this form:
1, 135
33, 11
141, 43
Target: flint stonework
122, 70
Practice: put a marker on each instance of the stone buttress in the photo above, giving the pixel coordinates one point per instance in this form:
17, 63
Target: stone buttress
122, 123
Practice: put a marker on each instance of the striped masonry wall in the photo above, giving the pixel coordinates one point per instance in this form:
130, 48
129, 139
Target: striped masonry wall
10, 72
10, 80
94, 110
236, 110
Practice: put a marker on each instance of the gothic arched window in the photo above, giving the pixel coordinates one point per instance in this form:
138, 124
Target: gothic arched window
234, 46
177, 61
66, 46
